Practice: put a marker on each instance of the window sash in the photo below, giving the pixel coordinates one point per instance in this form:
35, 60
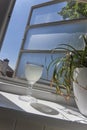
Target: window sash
29, 26
38, 9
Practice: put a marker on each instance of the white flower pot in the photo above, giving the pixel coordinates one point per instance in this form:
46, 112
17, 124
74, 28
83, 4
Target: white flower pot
80, 89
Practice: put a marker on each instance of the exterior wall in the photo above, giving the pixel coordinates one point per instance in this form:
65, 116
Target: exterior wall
5, 69
4, 66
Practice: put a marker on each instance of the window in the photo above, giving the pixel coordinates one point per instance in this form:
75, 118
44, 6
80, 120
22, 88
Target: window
47, 26
6, 7
45, 29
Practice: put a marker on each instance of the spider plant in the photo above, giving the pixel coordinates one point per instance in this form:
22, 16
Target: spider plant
63, 68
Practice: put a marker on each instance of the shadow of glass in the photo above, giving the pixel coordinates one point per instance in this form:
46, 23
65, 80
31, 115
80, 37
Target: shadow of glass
44, 108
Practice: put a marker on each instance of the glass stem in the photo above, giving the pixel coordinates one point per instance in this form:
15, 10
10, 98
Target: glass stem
30, 86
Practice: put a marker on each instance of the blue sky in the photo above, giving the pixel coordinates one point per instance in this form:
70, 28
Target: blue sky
15, 32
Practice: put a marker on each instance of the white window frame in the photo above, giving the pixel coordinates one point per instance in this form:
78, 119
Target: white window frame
30, 26
6, 19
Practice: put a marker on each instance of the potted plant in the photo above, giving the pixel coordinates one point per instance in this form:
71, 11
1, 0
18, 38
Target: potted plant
70, 73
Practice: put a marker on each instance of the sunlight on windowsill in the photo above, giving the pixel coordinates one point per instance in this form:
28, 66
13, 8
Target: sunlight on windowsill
61, 111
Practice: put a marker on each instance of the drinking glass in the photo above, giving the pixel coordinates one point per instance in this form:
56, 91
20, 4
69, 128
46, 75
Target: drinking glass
33, 73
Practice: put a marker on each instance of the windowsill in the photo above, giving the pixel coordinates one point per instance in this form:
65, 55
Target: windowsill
11, 106
40, 91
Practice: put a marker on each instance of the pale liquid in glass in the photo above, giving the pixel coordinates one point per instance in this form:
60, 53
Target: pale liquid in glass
33, 73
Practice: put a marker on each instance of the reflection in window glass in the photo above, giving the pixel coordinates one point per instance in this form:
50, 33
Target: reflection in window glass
43, 37
46, 38
37, 58
47, 13
58, 12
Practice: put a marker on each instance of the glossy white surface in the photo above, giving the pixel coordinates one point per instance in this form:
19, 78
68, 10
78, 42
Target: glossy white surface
80, 89
64, 112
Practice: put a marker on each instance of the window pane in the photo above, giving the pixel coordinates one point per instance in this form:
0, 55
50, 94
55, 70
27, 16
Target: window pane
47, 14
37, 58
58, 12
48, 37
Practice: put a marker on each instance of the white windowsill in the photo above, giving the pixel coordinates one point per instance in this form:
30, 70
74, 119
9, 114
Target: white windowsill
66, 118
11, 86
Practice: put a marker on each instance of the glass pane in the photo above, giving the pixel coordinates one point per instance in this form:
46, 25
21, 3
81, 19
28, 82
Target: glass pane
58, 12
46, 38
42, 58
47, 13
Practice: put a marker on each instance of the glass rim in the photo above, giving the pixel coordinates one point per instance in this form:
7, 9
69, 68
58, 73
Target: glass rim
35, 64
